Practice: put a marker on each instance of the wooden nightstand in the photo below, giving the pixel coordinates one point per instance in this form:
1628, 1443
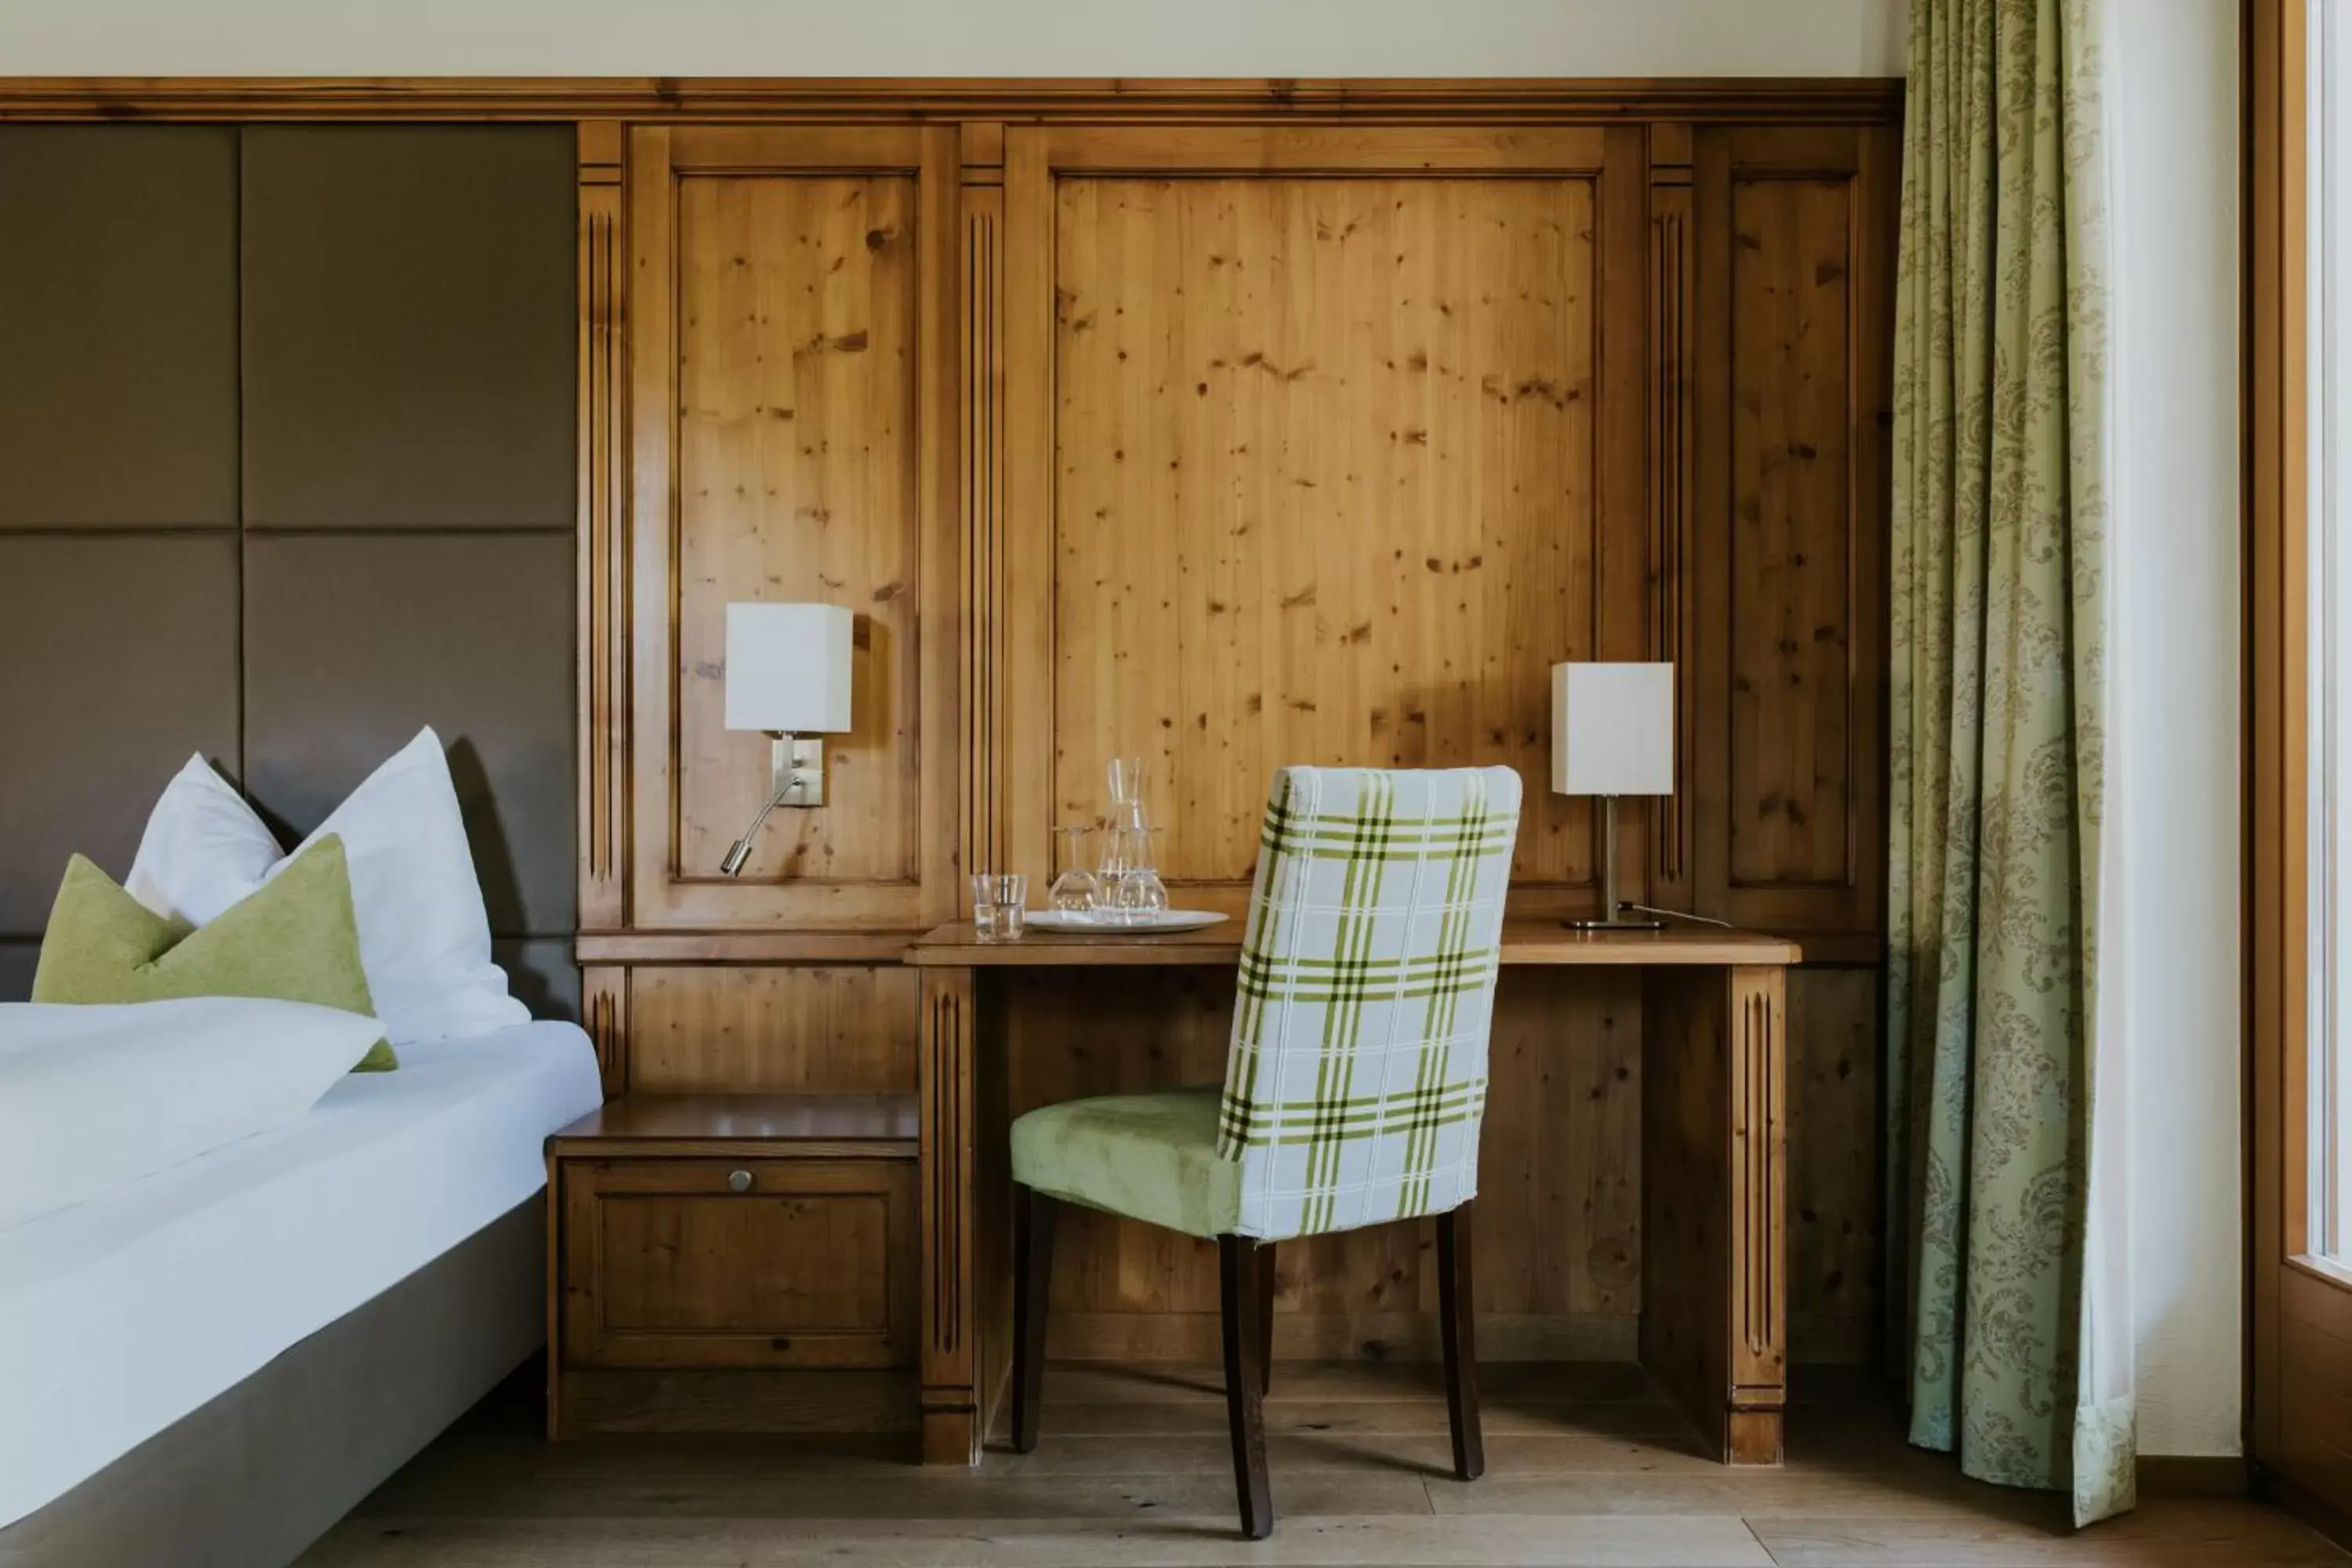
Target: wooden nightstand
732, 1263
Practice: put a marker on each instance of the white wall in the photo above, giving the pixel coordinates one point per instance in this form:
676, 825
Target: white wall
2173, 732
952, 37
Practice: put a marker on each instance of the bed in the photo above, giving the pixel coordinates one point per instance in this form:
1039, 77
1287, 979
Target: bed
213, 1365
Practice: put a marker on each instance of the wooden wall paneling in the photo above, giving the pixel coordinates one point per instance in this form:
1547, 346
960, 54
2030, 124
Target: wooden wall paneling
831, 1028
1025, 755
983, 391
793, 438
1673, 632
605, 1015
1559, 1178
603, 571
1622, 557
1795, 273
1834, 1253
796, 399
943, 763
1254, 360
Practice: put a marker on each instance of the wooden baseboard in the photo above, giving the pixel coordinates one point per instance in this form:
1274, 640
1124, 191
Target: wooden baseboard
2201, 1476
1339, 1336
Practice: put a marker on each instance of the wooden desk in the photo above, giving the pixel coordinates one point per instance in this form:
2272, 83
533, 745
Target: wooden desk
1714, 1325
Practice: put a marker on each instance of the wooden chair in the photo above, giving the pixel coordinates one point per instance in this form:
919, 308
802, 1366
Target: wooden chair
1354, 1085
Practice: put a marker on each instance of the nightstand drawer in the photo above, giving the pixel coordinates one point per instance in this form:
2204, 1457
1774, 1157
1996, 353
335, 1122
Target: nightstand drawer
738, 1262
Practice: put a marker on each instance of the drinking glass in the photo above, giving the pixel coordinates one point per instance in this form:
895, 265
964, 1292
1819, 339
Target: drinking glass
1012, 905
1076, 891
998, 904
1128, 777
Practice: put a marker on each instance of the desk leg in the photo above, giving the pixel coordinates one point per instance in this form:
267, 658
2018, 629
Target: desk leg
1714, 1205
953, 1433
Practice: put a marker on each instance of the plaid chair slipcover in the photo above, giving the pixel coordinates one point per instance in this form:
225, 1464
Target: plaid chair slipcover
1356, 1075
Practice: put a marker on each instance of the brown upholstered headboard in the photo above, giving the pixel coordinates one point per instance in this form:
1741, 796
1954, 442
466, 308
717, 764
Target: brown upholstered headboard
286, 471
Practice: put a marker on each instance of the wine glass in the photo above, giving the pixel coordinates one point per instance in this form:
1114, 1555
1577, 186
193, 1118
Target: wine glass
1113, 864
1139, 894
1076, 891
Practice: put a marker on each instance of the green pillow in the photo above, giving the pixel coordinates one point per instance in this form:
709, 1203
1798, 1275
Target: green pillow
293, 938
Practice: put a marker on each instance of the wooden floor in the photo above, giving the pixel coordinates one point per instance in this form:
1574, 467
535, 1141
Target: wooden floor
1586, 1465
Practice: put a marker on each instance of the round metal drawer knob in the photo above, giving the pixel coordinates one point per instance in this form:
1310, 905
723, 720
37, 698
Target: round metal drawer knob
739, 1181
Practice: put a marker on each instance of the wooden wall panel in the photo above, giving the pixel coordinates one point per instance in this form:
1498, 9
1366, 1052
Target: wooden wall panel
1792, 519
1319, 469
1834, 1252
792, 326
601, 574
1671, 461
796, 473
713, 1029
1788, 588
1326, 489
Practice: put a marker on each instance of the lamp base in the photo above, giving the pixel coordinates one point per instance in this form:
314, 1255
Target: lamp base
1615, 918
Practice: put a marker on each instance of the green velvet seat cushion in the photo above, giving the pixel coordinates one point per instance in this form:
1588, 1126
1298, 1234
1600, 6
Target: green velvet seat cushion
1152, 1157
293, 938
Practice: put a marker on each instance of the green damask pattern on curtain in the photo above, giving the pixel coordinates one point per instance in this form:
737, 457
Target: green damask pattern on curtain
1997, 773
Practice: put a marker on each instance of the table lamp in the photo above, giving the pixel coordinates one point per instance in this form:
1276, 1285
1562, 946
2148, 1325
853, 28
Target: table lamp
788, 674
1612, 733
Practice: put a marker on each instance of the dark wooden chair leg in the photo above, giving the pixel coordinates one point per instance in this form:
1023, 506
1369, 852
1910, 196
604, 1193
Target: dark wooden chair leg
1238, 1267
1266, 1283
1033, 1285
1457, 1314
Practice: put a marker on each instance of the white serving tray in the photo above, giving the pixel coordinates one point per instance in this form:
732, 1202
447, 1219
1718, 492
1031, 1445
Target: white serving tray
1100, 924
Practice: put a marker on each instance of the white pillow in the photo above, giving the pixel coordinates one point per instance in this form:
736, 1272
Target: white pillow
94, 1097
425, 938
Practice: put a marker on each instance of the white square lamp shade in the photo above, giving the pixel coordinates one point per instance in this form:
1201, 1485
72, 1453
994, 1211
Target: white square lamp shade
788, 668
1612, 728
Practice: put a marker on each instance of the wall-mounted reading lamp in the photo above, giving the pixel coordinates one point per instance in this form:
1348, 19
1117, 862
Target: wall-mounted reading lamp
788, 674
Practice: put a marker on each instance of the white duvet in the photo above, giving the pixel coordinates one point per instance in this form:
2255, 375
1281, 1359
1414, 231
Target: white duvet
93, 1099
120, 1315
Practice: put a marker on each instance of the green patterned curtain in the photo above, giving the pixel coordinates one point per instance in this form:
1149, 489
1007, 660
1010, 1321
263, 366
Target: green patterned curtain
2018, 1352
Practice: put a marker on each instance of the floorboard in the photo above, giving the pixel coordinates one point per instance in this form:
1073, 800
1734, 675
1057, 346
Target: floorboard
1588, 1467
